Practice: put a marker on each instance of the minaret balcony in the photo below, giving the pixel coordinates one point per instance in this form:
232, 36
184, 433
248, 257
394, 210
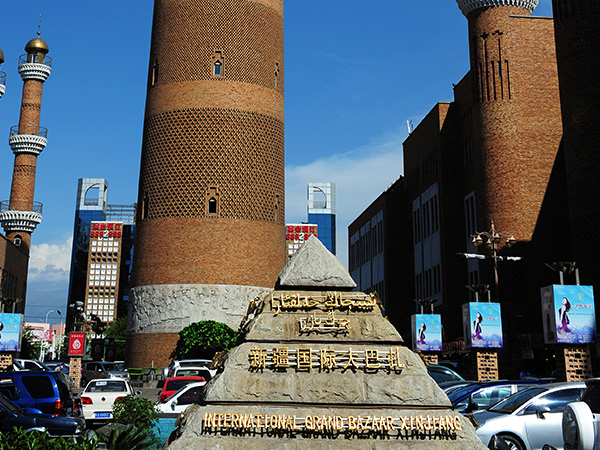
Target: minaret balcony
28, 139
467, 6
2, 83
14, 221
35, 67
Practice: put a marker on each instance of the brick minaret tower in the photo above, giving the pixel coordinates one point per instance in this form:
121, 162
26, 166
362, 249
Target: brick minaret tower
210, 220
577, 29
21, 214
515, 117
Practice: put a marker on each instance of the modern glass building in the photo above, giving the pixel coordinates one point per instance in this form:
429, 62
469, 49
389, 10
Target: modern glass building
321, 211
91, 206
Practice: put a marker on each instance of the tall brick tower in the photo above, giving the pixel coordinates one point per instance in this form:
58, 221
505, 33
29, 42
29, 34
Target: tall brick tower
210, 221
515, 117
21, 214
577, 29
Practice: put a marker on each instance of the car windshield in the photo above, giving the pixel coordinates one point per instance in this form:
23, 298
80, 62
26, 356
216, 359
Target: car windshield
462, 391
109, 366
510, 404
174, 385
106, 386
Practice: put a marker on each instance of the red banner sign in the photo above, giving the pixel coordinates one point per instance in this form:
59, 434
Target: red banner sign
76, 344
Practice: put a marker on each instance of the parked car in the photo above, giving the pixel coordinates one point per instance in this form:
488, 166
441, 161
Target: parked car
12, 416
99, 395
184, 397
63, 368
482, 395
102, 369
581, 420
173, 384
46, 391
442, 374
32, 364
530, 418
169, 372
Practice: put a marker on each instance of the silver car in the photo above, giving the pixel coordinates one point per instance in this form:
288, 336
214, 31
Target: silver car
528, 419
102, 369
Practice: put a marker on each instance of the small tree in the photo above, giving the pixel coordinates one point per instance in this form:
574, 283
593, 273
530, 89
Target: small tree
117, 330
203, 339
137, 411
30, 348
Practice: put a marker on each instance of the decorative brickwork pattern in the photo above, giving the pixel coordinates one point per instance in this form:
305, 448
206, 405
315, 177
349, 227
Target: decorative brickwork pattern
75, 370
486, 365
467, 6
574, 363
249, 35
245, 163
6, 360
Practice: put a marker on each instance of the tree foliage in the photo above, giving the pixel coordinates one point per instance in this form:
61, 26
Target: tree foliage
30, 348
203, 339
117, 330
137, 411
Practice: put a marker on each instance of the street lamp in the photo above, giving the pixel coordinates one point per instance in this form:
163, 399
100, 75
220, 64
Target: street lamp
491, 239
42, 343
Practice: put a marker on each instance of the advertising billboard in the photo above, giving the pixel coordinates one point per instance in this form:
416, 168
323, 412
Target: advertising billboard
11, 328
482, 323
568, 313
76, 344
427, 332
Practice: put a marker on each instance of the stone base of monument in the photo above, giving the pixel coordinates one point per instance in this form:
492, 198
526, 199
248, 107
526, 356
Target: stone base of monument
319, 367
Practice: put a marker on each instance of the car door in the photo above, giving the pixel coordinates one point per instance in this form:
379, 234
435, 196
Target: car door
187, 397
546, 427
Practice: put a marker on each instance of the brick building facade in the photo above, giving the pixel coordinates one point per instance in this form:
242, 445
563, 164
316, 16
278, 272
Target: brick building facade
210, 222
496, 154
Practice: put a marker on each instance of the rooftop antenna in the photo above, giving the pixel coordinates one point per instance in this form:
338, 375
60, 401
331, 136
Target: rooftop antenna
409, 124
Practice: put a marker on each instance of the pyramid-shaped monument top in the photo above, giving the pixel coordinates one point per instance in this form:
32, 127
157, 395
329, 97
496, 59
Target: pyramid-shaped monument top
313, 266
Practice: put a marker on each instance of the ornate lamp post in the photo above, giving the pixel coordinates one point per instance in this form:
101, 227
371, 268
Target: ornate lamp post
491, 240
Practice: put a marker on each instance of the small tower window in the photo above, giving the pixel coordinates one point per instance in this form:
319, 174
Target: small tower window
212, 205
218, 68
154, 73
18, 240
145, 207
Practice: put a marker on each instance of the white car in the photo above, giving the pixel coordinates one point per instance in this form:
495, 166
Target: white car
169, 372
184, 397
99, 395
528, 419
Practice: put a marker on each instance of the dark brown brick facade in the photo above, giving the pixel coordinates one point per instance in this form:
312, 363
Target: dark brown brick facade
158, 345
14, 262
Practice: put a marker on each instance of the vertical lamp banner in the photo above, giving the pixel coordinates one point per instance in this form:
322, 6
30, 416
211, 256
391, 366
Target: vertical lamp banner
482, 323
568, 314
427, 332
11, 328
76, 344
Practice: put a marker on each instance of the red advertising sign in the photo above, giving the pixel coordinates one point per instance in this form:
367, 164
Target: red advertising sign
76, 344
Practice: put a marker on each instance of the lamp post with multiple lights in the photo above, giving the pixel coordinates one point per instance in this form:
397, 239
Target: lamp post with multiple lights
491, 240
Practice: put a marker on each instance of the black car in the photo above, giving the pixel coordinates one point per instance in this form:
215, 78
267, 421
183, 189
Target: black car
47, 392
11, 416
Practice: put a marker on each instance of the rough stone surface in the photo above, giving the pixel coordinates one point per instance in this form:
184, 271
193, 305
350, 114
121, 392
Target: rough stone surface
314, 266
168, 308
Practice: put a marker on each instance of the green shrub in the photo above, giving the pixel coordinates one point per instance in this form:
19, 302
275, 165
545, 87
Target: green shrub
137, 411
20, 439
203, 339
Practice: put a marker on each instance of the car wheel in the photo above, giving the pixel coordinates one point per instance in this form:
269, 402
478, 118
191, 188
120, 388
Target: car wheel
512, 442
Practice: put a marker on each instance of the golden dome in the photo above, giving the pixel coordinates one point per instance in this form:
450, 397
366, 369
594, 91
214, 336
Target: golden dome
37, 45
1, 56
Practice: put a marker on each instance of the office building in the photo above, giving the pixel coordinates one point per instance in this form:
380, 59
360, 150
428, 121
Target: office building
321, 211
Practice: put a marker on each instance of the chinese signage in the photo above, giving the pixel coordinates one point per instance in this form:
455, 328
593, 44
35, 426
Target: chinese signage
427, 332
568, 313
11, 326
251, 423
325, 359
76, 344
300, 232
333, 300
483, 325
106, 229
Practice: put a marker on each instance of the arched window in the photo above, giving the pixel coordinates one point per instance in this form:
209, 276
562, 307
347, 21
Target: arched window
218, 68
18, 240
212, 205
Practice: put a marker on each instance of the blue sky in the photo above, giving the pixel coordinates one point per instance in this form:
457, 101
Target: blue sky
354, 75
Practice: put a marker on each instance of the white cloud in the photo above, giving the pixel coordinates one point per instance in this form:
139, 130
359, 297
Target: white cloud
360, 175
50, 262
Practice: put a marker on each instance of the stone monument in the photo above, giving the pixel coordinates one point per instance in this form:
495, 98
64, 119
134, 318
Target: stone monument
319, 367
